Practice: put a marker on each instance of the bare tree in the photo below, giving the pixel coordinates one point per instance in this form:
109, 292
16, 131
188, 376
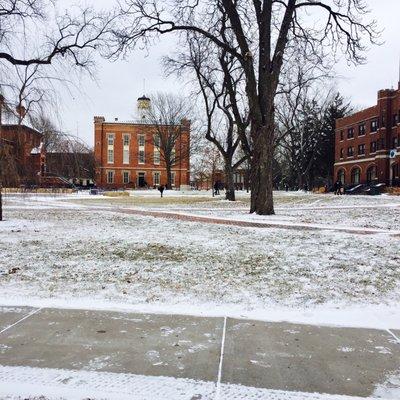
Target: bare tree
220, 87
205, 170
262, 32
67, 156
34, 32
170, 116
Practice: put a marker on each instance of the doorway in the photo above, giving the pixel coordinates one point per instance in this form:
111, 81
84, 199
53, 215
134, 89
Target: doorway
141, 180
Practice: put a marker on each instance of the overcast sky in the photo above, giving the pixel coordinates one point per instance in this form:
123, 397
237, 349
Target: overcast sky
120, 83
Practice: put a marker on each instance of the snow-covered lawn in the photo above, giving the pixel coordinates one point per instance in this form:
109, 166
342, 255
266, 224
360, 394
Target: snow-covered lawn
61, 247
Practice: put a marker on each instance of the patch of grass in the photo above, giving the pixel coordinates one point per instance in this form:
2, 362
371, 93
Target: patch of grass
152, 252
116, 194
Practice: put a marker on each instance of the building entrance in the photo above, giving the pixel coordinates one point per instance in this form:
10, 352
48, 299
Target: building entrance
141, 180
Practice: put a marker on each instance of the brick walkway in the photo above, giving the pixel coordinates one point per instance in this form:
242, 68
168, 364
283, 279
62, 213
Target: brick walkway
249, 224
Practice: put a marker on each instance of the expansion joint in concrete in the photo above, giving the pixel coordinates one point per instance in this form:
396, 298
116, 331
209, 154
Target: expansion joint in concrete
221, 361
20, 320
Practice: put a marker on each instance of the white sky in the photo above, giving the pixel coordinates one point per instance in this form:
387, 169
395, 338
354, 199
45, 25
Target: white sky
120, 83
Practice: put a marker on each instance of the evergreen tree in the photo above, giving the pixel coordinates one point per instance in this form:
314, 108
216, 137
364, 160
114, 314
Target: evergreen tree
338, 107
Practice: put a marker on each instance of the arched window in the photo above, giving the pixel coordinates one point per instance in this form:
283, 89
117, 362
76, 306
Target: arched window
371, 173
341, 176
396, 171
396, 175
355, 176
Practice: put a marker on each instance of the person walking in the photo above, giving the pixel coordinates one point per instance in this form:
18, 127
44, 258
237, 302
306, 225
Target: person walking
216, 188
161, 189
338, 187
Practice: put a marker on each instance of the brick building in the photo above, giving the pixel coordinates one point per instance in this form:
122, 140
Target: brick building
367, 143
206, 181
22, 153
128, 153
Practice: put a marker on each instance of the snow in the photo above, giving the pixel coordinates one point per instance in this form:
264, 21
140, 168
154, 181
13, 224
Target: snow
69, 250
17, 383
79, 251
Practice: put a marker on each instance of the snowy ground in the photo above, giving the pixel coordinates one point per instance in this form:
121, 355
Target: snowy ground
63, 248
80, 251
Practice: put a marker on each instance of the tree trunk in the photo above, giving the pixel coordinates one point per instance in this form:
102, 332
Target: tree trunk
168, 169
229, 181
261, 171
300, 181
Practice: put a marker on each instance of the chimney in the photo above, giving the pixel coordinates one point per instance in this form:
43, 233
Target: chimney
21, 111
99, 119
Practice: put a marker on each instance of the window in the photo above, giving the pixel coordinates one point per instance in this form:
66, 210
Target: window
350, 133
371, 173
380, 144
156, 140
141, 140
141, 157
125, 156
361, 149
156, 178
341, 135
383, 121
350, 151
173, 178
395, 119
157, 143
126, 140
126, 177
374, 125
110, 176
361, 130
372, 148
395, 142
110, 139
110, 156
156, 156
173, 156
141, 143
341, 153
395, 171
355, 176
110, 148
125, 149
341, 176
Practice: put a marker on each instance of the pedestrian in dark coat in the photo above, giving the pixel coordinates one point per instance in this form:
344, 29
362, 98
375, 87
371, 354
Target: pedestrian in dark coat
161, 189
216, 187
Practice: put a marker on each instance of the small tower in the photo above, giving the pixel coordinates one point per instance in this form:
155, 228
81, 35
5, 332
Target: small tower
143, 108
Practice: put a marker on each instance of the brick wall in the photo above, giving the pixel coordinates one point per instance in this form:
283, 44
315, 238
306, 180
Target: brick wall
134, 169
362, 148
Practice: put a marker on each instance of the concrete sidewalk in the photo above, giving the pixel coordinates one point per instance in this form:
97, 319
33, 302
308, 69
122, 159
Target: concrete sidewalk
189, 217
97, 354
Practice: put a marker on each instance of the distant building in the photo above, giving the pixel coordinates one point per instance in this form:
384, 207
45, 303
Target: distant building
206, 181
77, 168
23, 155
367, 143
127, 156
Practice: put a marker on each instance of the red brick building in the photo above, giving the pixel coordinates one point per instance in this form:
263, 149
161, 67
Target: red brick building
367, 143
22, 153
128, 156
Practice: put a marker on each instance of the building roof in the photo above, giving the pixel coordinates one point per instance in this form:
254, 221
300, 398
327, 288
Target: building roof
14, 127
